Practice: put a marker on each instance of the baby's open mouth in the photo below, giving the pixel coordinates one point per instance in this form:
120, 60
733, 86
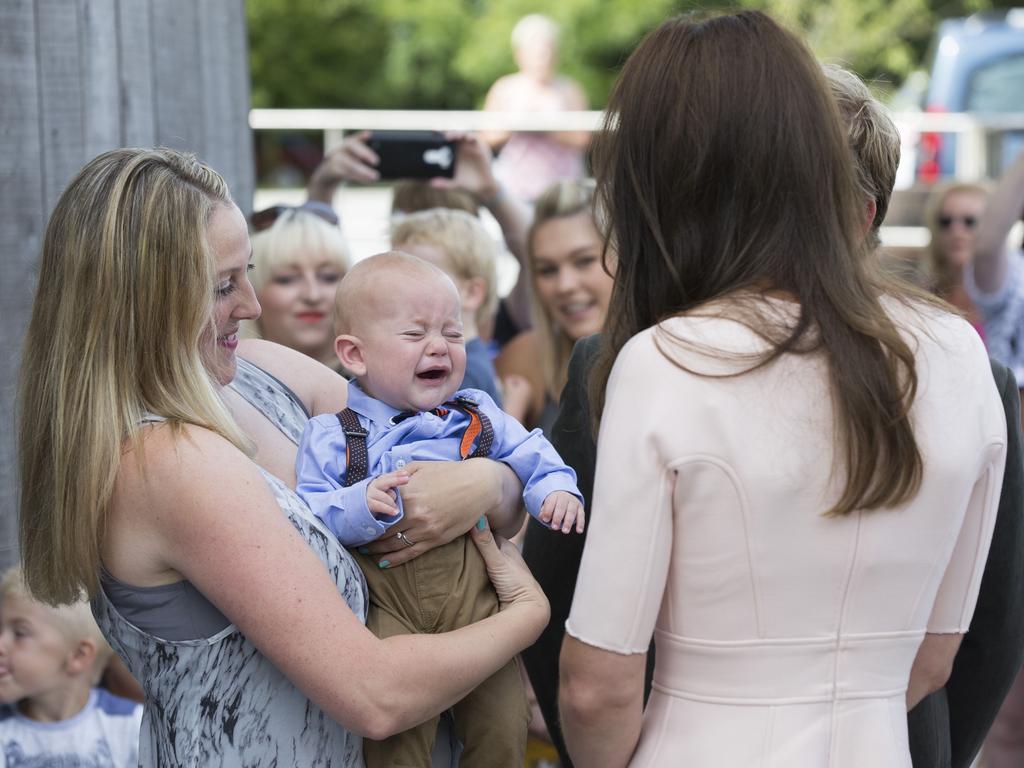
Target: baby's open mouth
433, 374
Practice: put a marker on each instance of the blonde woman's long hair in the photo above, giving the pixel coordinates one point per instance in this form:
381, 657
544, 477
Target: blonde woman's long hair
561, 200
126, 291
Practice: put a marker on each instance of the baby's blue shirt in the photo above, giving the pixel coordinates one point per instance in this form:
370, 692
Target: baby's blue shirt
320, 465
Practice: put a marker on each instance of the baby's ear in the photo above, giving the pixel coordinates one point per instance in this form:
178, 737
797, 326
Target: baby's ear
82, 657
473, 292
349, 350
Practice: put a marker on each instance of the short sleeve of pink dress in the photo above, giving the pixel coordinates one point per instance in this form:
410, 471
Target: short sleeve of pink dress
784, 637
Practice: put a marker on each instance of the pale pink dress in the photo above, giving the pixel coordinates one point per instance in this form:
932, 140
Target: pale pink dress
784, 638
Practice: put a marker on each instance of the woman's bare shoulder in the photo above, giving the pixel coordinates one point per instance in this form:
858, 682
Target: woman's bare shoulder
165, 456
164, 477
320, 389
521, 346
520, 355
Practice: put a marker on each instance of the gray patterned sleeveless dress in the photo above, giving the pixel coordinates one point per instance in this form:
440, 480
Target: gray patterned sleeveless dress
217, 700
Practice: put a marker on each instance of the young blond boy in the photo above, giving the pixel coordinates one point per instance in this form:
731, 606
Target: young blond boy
457, 243
399, 320
50, 712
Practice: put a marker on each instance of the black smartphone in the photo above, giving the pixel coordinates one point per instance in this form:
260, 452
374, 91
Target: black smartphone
413, 154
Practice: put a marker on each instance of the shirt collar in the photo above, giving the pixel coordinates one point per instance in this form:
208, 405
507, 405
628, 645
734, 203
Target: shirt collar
376, 411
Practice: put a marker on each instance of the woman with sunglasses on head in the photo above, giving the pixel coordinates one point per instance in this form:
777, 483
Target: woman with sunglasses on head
783, 498
159, 482
298, 262
953, 213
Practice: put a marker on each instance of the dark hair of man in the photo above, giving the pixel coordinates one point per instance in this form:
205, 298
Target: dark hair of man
723, 170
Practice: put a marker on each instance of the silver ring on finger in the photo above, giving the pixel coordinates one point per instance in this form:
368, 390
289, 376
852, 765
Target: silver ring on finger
405, 539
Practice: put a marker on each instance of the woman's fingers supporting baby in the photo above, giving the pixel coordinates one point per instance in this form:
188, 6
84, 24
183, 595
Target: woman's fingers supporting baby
511, 577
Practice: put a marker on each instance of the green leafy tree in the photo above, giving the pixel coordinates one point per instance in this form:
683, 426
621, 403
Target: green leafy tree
445, 54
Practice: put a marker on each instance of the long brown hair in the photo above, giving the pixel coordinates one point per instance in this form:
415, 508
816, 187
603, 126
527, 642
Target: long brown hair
724, 170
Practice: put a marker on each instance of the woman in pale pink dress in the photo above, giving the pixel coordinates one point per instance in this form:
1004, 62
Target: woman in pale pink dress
784, 497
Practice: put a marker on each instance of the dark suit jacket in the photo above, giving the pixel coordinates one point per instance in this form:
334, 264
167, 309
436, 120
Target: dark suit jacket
555, 557
947, 728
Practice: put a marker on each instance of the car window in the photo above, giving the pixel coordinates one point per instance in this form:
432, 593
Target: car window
998, 87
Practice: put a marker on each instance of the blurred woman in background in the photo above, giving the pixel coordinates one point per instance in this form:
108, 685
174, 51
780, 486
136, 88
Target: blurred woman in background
953, 213
297, 265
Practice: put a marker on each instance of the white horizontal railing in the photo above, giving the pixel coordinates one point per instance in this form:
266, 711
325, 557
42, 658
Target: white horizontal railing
424, 119
472, 120
334, 122
973, 130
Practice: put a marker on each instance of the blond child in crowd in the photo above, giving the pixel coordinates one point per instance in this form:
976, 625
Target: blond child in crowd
51, 714
401, 334
457, 243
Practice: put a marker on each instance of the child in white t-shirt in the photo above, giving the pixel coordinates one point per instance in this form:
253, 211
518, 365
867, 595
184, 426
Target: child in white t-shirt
50, 712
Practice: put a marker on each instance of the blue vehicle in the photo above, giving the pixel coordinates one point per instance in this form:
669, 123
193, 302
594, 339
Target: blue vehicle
978, 67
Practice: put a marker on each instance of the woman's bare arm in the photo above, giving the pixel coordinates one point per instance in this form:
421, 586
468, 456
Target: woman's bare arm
1005, 207
932, 666
520, 357
319, 388
232, 542
600, 701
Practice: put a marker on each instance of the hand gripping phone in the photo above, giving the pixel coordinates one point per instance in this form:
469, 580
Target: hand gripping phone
413, 154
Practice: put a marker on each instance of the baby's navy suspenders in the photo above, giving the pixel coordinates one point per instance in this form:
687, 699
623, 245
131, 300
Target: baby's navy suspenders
357, 465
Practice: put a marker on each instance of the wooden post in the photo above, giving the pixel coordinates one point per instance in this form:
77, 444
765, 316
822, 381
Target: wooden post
79, 77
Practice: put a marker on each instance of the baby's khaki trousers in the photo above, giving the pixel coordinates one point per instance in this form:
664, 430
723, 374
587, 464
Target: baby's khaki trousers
441, 590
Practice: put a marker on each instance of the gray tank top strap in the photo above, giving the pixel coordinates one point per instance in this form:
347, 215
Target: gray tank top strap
271, 397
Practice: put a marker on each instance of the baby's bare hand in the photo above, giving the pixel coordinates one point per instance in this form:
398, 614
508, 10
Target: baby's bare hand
561, 511
381, 496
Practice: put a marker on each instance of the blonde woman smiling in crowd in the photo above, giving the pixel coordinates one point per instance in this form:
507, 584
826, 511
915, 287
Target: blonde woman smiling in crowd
571, 290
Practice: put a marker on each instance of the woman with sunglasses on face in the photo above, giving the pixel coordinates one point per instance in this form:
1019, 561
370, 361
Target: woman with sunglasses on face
953, 213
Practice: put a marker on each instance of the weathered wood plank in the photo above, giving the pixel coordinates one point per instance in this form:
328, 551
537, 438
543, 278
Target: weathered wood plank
21, 226
101, 102
245, 160
60, 78
225, 79
219, 129
177, 77
137, 91
79, 77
